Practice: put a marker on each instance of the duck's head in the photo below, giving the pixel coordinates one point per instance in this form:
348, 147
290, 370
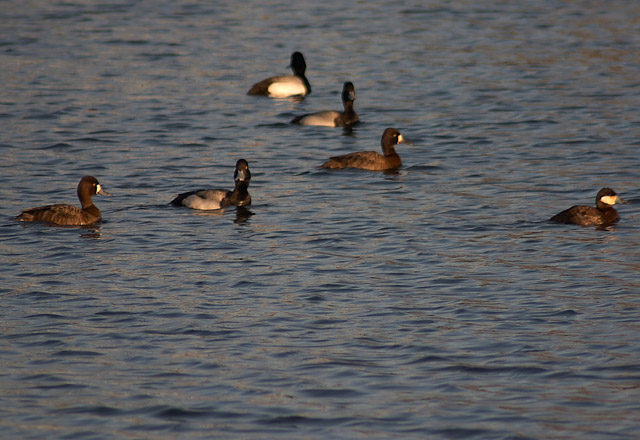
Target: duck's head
298, 65
242, 173
348, 92
607, 197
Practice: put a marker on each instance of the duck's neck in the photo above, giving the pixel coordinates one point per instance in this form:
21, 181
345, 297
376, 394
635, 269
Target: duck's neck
609, 211
92, 209
305, 81
241, 191
85, 197
389, 151
348, 109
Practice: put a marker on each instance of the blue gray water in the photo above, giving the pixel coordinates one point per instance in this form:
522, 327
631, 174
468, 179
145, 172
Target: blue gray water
432, 303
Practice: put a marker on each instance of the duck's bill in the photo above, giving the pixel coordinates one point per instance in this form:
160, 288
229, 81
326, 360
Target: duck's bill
403, 140
242, 175
102, 192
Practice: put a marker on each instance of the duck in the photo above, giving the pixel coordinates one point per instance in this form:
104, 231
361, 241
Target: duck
331, 118
69, 215
209, 199
602, 214
371, 160
287, 85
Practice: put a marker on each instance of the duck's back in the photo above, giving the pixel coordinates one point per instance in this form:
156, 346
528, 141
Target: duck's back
201, 199
62, 214
586, 216
367, 160
327, 118
262, 88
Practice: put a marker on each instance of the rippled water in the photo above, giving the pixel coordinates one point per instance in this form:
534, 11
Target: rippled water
432, 303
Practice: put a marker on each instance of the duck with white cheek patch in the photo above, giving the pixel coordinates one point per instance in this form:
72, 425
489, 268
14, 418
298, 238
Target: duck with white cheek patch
602, 214
372, 160
69, 215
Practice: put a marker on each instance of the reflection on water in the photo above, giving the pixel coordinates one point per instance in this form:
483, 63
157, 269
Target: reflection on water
243, 215
94, 233
432, 301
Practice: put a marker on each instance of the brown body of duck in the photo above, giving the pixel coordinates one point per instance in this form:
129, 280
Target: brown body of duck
371, 160
69, 215
208, 199
332, 118
286, 85
602, 214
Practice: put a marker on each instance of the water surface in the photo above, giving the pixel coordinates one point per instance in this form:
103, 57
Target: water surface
435, 302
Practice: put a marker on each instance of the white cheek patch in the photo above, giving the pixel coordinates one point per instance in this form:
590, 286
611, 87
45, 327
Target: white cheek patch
98, 188
609, 200
400, 138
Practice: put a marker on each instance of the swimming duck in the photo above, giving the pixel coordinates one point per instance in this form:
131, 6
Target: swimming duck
601, 215
287, 85
332, 118
69, 215
371, 160
206, 199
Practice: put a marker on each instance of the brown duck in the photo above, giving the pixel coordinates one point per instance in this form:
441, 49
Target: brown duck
69, 215
371, 160
602, 214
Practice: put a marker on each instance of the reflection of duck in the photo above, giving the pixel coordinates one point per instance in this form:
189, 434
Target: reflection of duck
371, 160
331, 118
286, 85
243, 214
600, 215
69, 215
220, 198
